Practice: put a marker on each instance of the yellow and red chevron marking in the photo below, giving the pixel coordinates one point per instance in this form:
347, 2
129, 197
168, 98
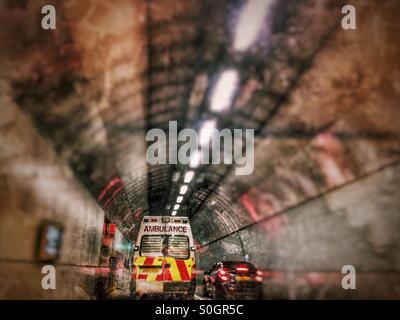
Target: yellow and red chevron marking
141, 274
179, 270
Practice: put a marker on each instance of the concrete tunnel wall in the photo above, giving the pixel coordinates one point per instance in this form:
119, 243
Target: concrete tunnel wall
302, 222
77, 122
37, 186
305, 248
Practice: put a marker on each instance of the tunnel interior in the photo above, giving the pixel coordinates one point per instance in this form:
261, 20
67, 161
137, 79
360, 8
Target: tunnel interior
78, 101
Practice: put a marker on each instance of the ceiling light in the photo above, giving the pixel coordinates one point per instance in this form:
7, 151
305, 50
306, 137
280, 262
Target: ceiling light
176, 207
183, 189
250, 23
188, 176
179, 199
206, 131
195, 159
175, 176
222, 94
199, 88
173, 213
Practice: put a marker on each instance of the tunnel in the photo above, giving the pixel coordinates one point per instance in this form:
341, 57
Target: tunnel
77, 103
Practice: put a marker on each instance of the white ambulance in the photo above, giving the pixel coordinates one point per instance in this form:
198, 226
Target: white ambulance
164, 260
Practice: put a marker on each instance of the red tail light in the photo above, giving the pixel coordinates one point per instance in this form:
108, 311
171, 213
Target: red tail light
223, 274
111, 228
259, 276
242, 268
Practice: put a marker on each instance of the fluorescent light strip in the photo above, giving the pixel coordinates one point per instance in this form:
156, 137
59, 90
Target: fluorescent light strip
222, 94
251, 21
176, 207
195, 159
188, 176
183, 189
206, 131
175, 176
179, 199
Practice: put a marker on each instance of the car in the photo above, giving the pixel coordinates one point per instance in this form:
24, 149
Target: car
233, 280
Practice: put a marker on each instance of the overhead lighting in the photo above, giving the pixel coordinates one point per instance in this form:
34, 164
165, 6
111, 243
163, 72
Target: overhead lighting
179, 199
199, 88
206, 131
195, 159
173, 213
183, 190
175, 176
176, 207
188, 176
250, 23
222, 94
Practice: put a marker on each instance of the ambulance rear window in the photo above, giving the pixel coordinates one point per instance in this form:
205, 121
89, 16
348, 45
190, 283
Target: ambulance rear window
151, 246
178, 247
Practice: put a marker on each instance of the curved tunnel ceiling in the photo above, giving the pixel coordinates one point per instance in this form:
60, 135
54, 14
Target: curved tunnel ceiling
323, 116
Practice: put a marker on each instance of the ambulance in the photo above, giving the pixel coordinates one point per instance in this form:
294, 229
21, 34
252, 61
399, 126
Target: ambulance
164, 260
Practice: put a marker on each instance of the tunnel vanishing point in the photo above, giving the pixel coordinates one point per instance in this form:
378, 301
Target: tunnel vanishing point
77, 102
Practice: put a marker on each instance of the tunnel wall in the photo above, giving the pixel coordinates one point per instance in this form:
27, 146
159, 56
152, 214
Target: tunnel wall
94, 125
36, 186
304, 248
329, 199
